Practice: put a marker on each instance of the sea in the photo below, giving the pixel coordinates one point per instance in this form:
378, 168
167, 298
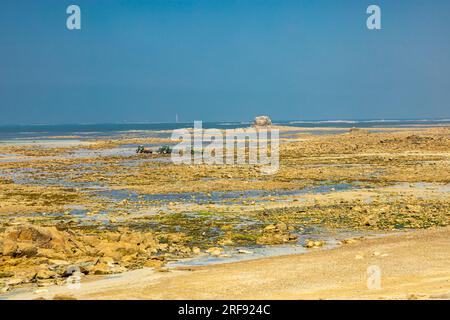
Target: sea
9, 133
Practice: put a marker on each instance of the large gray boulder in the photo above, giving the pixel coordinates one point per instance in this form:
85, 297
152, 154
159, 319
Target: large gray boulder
262, 121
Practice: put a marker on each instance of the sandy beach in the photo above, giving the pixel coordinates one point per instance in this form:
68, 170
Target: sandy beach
414, 265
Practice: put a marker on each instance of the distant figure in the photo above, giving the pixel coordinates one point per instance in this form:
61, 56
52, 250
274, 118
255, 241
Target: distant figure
165, 150
262, 121
141, 149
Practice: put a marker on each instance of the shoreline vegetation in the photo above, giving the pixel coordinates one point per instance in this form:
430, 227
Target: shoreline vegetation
102, 208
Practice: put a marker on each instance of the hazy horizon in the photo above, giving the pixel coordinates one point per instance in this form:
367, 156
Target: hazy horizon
222, 61
275, 121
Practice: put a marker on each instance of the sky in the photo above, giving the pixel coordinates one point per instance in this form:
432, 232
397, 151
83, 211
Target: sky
222, 60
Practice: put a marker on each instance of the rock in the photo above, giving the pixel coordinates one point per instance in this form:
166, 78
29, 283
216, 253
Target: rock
6, 274
244, 251
26, 250
44, 254
274, 238
262, 121
281, 227
99, 269
153, 263
196, 250
175, 238
226, 242
309, 244
117, 250
318, 243
4, 289
370, 221
314, 244
45, 274
14, 281
270, 227
292, 237
29, 240
348, 241
108, 260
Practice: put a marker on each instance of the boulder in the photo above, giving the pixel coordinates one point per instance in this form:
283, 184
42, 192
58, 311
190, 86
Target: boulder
32, 240
262, 121
314, 244
215, 251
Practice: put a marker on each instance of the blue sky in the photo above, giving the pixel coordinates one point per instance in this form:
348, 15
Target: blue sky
227, 60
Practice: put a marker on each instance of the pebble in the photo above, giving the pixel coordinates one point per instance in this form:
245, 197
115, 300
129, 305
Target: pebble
244, 251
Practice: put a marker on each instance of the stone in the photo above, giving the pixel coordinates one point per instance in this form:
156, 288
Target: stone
244, 251
273, 238
215, 251
281, 227
226, 242
27, 240
46, 274
348, 241
270, 227
309, 244
4, 289
314, 244
152, 263
99, 269
370, 221
318, 243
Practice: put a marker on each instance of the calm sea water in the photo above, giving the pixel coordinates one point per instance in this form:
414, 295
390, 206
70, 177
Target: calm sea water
88, 131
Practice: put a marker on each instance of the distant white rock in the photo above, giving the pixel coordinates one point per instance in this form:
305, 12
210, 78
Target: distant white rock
262, 121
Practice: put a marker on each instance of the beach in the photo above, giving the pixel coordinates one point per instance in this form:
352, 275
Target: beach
138, 226
414, 266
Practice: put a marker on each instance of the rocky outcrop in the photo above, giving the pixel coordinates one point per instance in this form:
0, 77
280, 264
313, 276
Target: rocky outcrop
30, 241
40, 254
276, 234
262, 121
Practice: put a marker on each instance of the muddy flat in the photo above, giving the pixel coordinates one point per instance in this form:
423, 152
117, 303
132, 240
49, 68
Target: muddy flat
413, 264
